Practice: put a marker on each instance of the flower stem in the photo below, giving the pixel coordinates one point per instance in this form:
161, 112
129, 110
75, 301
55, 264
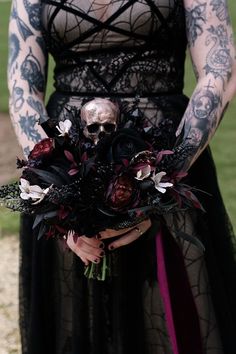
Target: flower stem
99, 271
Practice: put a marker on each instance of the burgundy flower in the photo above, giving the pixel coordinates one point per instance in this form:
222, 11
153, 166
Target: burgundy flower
122, 193
42, 149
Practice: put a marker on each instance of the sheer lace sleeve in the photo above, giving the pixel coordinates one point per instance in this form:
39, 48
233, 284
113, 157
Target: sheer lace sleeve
27, 65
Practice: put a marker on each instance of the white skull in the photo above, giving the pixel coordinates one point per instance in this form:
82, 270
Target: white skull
99, 117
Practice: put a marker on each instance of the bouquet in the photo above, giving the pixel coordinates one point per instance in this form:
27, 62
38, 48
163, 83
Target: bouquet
100, 172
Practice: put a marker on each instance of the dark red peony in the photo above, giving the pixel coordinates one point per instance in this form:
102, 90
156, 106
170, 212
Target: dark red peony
42, 149
122, 193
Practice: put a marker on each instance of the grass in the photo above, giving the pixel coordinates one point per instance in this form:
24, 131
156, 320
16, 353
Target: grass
223, 144
9, 222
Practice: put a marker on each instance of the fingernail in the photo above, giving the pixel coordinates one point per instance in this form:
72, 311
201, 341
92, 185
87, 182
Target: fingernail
98, 236
96, 260
101, 245
102, 253
111, 247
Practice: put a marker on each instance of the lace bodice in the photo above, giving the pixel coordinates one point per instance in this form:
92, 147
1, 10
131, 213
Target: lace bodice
128, 47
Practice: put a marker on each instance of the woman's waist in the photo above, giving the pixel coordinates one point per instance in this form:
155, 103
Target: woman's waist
152, 108
126, 85
119, 74
130, 95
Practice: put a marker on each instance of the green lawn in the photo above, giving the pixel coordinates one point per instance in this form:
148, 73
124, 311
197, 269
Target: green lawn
223, 144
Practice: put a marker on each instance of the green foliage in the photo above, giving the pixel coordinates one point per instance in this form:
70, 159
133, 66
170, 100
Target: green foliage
9, 222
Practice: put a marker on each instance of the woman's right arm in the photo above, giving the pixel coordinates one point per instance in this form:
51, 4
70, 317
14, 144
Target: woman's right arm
27, 72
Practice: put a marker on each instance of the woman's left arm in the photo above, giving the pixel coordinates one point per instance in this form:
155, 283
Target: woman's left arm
211, 46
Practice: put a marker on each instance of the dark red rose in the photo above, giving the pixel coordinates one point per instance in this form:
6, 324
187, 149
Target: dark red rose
122, 193
41, 149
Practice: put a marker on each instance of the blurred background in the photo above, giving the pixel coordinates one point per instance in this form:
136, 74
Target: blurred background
223, 147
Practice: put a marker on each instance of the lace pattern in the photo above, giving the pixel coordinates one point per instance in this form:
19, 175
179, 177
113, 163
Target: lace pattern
129, 52
121, 50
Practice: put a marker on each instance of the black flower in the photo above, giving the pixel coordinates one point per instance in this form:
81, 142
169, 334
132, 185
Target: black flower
122, 145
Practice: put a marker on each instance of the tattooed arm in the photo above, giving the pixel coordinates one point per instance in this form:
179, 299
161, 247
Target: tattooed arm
27, 65
213, 55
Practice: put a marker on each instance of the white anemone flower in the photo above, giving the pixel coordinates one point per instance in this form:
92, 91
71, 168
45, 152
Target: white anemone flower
161, 186
143, 173
25, 189
64, 127
34, 192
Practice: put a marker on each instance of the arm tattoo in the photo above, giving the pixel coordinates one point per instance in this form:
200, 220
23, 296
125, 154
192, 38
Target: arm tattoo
204, 107
32, 73
14, 49
38, 107
220, 7
24, 30
201, 119
17, 97
26, 151
195, 19
33, 11
27, 124
218, 59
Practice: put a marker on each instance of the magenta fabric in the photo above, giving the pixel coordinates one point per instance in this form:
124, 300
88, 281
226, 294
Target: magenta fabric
181, 313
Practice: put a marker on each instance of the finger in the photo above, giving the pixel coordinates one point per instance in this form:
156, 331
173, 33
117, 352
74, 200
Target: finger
86, 256
108, 233
132, 235
75, 246
93, 241
84, 260
87, 248
125, 240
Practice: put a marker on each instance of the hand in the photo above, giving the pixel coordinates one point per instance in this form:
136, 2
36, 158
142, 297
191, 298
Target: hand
87, 249
128, 235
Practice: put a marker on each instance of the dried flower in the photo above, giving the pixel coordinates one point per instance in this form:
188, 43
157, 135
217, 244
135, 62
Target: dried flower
34, 192
161, 186
64, 127
41, 149
122, 192
143, 173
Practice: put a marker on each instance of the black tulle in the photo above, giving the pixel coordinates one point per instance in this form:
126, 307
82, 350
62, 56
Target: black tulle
137, 60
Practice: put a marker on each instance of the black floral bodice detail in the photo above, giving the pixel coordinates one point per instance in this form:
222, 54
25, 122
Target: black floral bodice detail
129, 47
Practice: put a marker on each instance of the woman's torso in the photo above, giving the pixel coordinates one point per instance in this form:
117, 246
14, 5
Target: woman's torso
125, 46
122, 49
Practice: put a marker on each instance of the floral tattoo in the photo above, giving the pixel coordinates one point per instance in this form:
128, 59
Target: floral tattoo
218, 60
195, 19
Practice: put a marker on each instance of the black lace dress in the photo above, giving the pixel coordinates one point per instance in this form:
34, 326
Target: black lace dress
132, 51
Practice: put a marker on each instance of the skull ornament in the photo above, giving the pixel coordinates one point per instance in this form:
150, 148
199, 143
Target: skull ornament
99, 117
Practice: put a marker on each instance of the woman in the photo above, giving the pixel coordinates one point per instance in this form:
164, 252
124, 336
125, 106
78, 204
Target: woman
131, 51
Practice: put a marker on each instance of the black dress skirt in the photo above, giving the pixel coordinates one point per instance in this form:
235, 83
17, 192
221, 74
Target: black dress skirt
135, 56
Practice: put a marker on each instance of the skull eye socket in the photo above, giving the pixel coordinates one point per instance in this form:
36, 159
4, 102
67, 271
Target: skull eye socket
94, 128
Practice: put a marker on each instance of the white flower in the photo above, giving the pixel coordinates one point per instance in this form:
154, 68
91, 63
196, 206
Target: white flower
64, 127
161, 186
34, 192
143, 173
24, 187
